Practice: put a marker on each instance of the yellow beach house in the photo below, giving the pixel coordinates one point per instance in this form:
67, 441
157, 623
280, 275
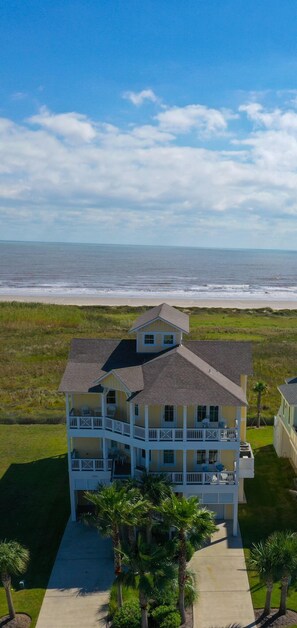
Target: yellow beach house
285, 423
159, 403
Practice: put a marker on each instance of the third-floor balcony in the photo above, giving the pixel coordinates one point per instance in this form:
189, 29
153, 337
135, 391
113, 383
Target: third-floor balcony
80, 424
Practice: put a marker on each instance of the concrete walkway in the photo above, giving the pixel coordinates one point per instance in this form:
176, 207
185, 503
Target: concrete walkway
223, 586
78, 589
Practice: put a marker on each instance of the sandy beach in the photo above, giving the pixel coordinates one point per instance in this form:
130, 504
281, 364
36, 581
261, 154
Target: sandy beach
244, 304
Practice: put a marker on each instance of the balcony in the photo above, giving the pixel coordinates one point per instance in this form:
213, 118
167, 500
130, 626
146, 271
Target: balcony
90, 464
200, 477
246, 461
162, 434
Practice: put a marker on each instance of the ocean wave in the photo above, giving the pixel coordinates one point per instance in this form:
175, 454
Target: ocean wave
208, 291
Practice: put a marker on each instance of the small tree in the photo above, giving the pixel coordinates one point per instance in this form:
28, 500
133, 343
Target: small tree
285, 556
14, 559
154, 488
190, 521
115, 506
147, 566
260, 388
263, 561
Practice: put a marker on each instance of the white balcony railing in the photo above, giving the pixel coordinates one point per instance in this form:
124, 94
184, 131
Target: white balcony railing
197, 477
162, 434
90, 464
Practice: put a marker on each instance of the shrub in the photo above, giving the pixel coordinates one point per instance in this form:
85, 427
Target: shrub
161, 612
191, 593
171, 621
166, 596
129, 616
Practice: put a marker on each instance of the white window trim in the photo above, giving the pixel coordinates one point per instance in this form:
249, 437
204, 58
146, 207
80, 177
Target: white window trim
207, 413
150, 344
168, 423
168, 333
169, 464
108, 403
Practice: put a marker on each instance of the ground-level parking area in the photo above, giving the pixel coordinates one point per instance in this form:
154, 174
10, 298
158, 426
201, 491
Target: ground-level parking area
78, 589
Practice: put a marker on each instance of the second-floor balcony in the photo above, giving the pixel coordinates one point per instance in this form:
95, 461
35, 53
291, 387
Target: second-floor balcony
153, 434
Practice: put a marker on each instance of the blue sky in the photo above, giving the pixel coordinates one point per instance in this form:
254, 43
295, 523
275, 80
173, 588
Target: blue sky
149, 122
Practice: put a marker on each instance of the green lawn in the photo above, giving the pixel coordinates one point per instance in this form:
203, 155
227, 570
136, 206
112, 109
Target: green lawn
269, 505
35, 341
34, 505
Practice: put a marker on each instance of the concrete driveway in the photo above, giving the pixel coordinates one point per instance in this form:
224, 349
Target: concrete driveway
78, 589
224, 596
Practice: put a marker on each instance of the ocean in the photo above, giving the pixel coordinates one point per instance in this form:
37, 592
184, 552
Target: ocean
99, 270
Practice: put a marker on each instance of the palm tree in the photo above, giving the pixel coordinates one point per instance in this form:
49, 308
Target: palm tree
147, 566
14, 559
190, 521
285, 553
263, 561
260, 388
155, 488
115, 506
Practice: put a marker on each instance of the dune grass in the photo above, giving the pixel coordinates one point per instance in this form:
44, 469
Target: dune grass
34, 504
35, 340
269, 507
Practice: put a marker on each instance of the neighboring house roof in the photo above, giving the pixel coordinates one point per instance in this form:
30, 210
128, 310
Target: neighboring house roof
289, 392
198, 372
163, 312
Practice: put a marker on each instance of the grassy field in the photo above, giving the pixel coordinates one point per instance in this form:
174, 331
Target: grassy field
34, 504
35, 341
269, 506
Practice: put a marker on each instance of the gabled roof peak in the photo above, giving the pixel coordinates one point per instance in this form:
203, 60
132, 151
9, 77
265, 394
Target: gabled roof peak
163, 312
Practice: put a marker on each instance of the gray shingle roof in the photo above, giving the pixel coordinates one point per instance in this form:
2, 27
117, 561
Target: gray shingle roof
181, 377
199, 372
166, 313
289, 392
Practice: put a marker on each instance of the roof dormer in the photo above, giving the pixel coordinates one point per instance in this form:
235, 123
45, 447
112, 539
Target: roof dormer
160, 328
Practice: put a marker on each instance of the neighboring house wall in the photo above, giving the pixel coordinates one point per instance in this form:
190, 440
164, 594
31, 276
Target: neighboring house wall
285, 440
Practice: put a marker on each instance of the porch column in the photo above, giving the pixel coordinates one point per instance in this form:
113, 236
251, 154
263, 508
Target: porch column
131, 419
105, 454
184, 467
147, 460
103, 404
184, 423
235, 514
71, 489
132, 456
67, 409
146, 423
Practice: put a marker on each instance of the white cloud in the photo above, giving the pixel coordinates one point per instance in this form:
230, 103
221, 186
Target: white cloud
74, 126
138, 98
65, 169
185, 119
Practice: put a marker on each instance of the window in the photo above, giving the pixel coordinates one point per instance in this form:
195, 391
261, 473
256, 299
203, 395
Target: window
214, 413
213, 457
168, 339
127, 447
168, 456
143, 454
169, 414
201, 413
111, 397
201, 457
149, 339
136, 410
